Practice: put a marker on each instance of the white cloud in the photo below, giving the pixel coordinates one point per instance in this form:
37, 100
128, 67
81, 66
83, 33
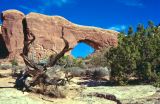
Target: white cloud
134, 3
118, 27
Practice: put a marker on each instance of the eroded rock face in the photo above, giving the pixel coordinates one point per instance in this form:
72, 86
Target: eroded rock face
48, 32
12, 31
3, 49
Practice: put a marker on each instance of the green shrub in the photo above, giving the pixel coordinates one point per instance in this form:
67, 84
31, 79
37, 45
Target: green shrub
122, 83
14, 62
145, 71
98, 72
137, 55
157, 81
68, 61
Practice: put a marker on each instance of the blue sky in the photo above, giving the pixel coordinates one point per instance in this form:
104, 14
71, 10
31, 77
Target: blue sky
82, 50
108, 14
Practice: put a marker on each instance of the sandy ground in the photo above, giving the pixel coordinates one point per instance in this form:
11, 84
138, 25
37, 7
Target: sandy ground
10, 95
139, 94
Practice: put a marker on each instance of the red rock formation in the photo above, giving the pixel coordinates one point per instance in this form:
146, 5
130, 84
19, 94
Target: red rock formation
3, 49
12, 31
48, 35
47, 30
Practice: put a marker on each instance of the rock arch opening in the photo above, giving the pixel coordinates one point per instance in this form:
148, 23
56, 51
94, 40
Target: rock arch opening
82, 50
4, 53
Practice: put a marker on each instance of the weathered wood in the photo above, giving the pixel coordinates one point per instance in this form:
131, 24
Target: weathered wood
106, 96
38, 72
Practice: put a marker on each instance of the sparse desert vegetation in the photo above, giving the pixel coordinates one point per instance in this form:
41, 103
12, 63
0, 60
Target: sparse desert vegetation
102, 78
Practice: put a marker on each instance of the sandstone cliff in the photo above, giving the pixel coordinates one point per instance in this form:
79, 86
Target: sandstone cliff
3, 49
47, 30
12, 31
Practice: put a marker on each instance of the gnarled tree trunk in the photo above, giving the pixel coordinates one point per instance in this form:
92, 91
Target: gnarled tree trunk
35, 71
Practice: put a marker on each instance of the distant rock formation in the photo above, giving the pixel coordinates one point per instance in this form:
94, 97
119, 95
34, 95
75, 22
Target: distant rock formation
47, 30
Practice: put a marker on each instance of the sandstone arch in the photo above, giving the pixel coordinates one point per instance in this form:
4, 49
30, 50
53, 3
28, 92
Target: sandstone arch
82, 50
92, 43
47, 30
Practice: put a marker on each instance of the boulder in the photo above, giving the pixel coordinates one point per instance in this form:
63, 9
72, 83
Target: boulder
48, 32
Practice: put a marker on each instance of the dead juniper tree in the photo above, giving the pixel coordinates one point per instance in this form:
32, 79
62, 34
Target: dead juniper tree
37, 72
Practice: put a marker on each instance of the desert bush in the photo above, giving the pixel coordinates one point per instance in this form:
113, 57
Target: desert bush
156, 64
65, 61
54, 73
76, 71
51, 91
157, 81
59, 92
17, 69
98, 59
122, 81
14, 62
68, 61
145, 71
98, 72
80, 63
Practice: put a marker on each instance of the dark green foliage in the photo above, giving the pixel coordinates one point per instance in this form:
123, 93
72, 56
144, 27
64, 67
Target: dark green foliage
14, 62
156, 64
140, 28
157, 82
137, 55
97, 74
150, 24
145, 71
130, 30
